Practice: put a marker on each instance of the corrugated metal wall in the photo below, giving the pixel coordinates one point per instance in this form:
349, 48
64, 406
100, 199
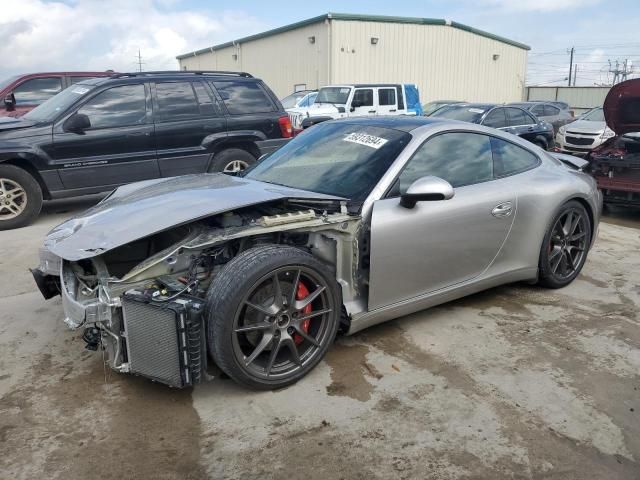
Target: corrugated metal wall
580, 99
281, 60
445, 62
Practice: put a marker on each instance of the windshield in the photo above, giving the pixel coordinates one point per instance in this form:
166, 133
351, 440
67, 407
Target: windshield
337, 95
342, 159
292, 100
429, 108
595, 115
49, 110
463, 113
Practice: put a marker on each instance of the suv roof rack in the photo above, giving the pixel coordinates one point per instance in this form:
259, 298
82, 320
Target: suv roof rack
183, 72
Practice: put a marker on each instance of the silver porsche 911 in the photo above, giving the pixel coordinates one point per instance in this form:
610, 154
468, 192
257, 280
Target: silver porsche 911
352, 223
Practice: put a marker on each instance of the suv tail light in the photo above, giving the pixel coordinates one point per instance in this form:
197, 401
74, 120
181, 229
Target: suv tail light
285, 126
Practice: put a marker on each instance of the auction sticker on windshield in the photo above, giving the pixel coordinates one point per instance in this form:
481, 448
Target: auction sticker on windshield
365, 139
80, 90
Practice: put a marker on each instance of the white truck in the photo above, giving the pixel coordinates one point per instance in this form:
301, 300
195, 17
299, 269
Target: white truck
357, 100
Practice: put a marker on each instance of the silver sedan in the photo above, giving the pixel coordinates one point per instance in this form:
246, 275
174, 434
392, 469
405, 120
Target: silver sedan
352, 223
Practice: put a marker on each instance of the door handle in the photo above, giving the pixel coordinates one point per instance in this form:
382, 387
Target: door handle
372, 111
502, 210
394, 110
138, 134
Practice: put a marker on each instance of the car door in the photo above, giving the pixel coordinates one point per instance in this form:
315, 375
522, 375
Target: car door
521, 123
119, 146
438, 244
495, 118
362, 103
387, 101
187, 120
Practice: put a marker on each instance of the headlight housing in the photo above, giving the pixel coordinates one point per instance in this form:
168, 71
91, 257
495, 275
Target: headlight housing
608, 133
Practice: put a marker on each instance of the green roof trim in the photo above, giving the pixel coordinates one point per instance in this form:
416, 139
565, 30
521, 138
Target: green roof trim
356, 18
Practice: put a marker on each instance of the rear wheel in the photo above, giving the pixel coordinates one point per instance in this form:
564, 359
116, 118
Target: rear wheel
541, 142
20, 197
232, 160
565, 246
273, 312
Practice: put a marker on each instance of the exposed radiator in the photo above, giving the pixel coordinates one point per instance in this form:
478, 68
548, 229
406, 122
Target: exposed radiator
164, 339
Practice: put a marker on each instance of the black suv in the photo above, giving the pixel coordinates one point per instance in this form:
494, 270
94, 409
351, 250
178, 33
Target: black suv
105, 132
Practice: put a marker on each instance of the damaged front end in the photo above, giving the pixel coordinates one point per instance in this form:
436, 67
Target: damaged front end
144, 303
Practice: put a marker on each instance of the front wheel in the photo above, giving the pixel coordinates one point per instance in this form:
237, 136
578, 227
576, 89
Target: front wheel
565, 246
273, 312
20, 197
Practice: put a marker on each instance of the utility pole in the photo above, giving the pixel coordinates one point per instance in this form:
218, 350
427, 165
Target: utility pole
575, 74
571, 65
140, 62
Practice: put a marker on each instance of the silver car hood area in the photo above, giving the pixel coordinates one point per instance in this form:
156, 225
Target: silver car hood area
141, 209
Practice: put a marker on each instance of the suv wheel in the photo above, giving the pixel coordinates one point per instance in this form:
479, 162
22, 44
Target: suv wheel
232, 160
272, 313
20, 197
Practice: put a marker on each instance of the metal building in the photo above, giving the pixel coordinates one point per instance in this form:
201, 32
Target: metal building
447, 60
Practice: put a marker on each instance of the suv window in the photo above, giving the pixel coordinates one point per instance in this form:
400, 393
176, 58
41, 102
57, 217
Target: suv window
460, 158
205, 101
79, 79
550, 110
37, 90
117, 107
509, 159
496, 118
362, 97
242, 97
518, 117
176, 101
387, 96
538, 110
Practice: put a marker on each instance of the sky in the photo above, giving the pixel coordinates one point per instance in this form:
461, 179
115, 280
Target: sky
40, 35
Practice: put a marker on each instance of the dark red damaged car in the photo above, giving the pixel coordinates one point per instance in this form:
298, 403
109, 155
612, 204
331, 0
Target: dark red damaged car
616, 163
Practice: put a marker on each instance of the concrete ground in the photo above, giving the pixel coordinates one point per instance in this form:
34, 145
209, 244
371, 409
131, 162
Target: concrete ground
516, 382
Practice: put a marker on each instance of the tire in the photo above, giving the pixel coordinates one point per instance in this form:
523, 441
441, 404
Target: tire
565, 246
243, 338
20, 197
541, 142
232, 160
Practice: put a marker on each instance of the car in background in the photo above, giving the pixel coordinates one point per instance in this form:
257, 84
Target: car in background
546, 111
616, 163
583, 135
104, 132
303, 98
22, 93
429, 108
507, 118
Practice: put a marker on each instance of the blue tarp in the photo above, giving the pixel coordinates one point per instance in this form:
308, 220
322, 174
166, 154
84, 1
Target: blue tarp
413, 99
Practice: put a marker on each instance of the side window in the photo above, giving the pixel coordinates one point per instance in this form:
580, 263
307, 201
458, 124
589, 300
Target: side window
79, 79
518, 117
509, 159
387, 96
37, 90
538, 110
362, 97
242, 97
117, 107
205, 102
460, 158
176, 101
496, 118
550, 110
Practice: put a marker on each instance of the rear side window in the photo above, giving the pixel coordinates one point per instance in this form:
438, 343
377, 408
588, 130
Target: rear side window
518, 117
243, 97
205, 102
37, 90
460, 158
362, 98
79, 79
387, 96
509, 159
496, 118
176, 101
538, 110
120, 106
550, 110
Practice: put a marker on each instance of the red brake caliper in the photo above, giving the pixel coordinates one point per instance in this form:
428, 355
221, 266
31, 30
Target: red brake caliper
301, 293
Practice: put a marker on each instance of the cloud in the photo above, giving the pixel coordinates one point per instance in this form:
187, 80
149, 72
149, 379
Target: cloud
44, 35
539, 5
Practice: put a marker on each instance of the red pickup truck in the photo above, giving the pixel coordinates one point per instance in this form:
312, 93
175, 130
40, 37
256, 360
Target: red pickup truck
22, 93
616, 163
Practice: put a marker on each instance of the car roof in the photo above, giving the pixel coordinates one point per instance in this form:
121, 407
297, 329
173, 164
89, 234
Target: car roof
172, 75
404, 123
365, 85
483, 106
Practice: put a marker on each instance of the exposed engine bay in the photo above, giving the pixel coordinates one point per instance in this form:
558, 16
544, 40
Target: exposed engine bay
144, 303
616, 167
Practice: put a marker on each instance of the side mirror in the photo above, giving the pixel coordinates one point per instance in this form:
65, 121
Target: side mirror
77, 123
10, 102
426, 189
